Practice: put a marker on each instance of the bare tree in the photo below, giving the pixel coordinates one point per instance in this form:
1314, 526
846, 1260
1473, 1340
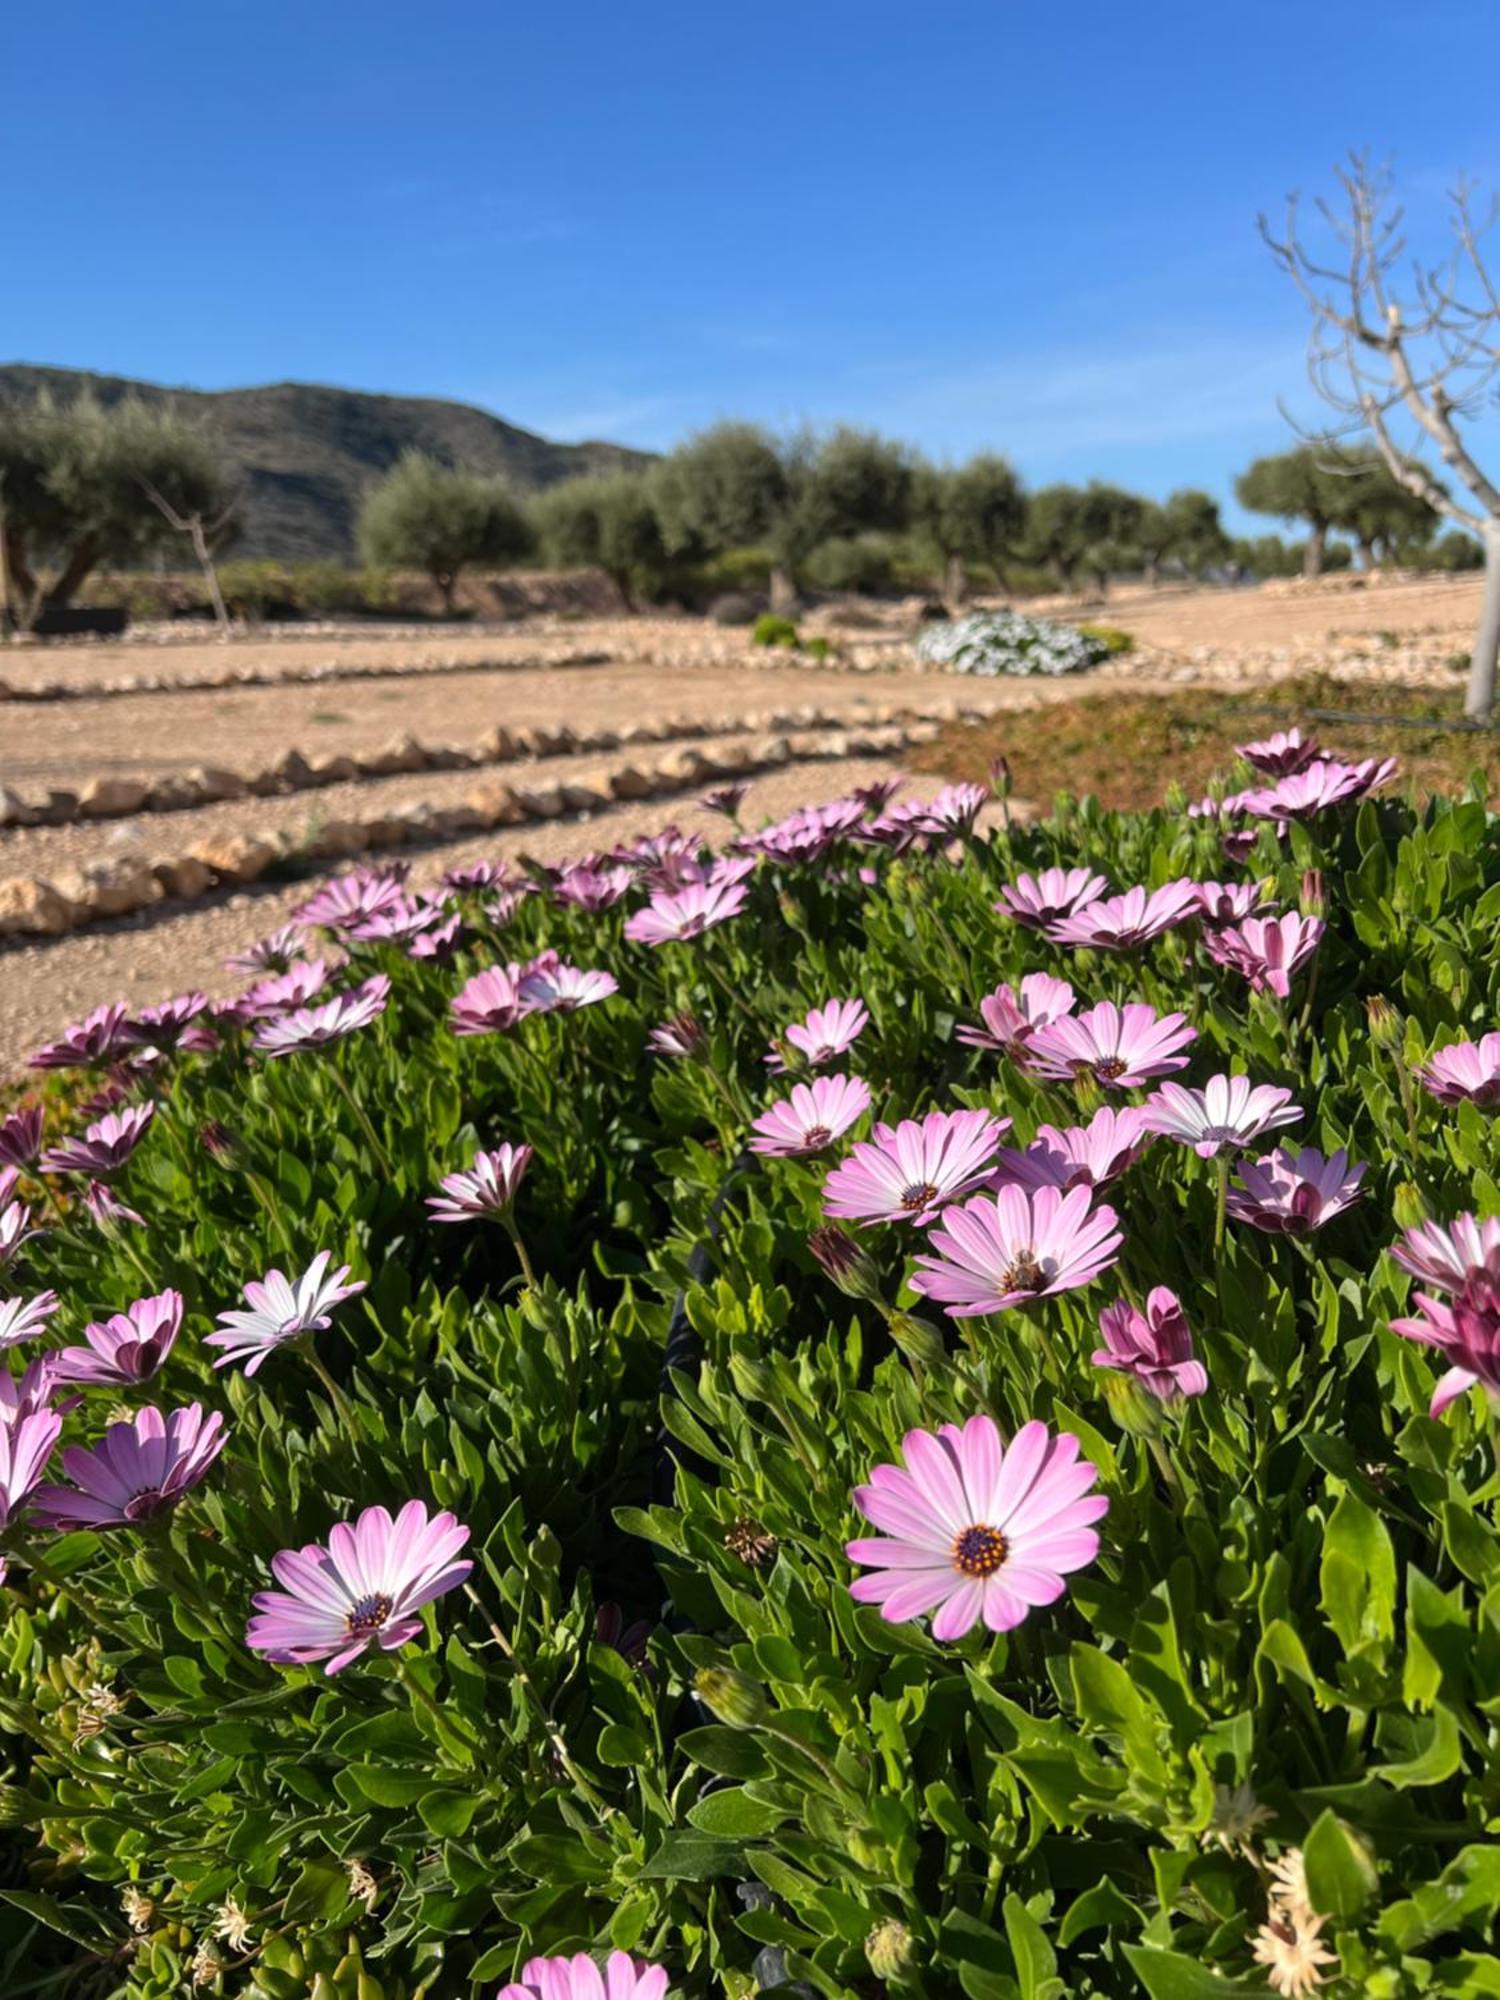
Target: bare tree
203, 535
1427, 358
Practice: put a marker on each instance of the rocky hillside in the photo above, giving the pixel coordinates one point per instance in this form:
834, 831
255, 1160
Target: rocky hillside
305, 453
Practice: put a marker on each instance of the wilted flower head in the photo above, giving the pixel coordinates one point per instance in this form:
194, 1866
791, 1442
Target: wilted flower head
844, 1260
366, 1588
563, 989
98, 1038
25, 1448
137, 1471
579, 1978
281, 1310
127, 1348
1118, 1047
1007, 1248
22, 1395
685, 913
106, 1208
1292, 1194
21, 1136
906, 1172
104, 1147
878, 794
976, 1529
683, 1035
1082, 1156
488, 1188
1011, 1018
812, 1117
1039, 901
1462, 1071
1154, 1346
824, 1033
330, 1021
275, 953
1266, 950
15, 1223
1280, 755
1228, 1113
1122, 923
490, 1003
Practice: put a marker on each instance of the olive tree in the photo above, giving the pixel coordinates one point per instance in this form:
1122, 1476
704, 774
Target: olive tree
1184, 528
1383, 516
1076, 530
971, 513
429, 516
606, 522
1294, 486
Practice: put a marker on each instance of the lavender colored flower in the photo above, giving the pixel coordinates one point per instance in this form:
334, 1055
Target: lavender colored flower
21, 1136
24, 1395
350, 899
1228, 902
98, 1038
563, 989
1039, 901
24, 1319
1082, 1155
138, 1471
475, 875
1155, 1346
490, 1003
15, 1225
824, 1033
164, 1026
579, 1978
1124, 923
1008, 1248
1267, 951
685, 913
1228, 1113
1464, 1071
105, 1147
1447, 1255
1281, 755
314, 1027
106, 1208
25, 1448
440, 941
1319, 786
681, 1036
906, 1172
366, 1588
1011, 1018
129, 1347
812, 1117
953, 810
1292, 1194
296, 987
592, 889
725, 799
1466, 1331
1119, 1047
488, 1188
281, 1310
973, 1529
276, 953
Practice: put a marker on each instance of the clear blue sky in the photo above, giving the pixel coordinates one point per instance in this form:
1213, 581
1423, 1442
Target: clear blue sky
973, 225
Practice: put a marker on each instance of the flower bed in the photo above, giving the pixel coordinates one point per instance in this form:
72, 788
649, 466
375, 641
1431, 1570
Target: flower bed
1059, 1560
990, 643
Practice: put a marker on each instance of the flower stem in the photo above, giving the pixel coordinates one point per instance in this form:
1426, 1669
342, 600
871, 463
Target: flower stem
382, 1158
444, 1716
509, 1223
1168, 1472
343, 1408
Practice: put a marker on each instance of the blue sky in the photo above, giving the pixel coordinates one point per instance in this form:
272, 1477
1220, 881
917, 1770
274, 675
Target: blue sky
972, 225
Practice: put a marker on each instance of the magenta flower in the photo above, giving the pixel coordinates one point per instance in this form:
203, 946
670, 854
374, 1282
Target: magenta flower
1467, 1334
399, 922
1463, 1070
314, 1027
1266, 950
1119, 1047
1011, 1018
164, 1026
98, 1038
1292, 1194
440, 940
824, 1033
725, 799
1123, 923
22, 1396
24, 1319
475, 875
1082, 1156
366, 1588
578, 1978
1039, 901
685, 913
953, 810
138, 1471
295, 987
592, 889
906, 1172
127, 1348
15, 1224
350, 899
1155, 1346
812, 1117
1227, 1114
21, 1137
106, 1208
276, 953
1446, 1256
1228, 902
281, 1311
877, 795
1281, 755
488, 1188
563, 989
682, 1036
1008, 1248
490, 1003
1326, 783
104, 1147
25, 1448
975, 1529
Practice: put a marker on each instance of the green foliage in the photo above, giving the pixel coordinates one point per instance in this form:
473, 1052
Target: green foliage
424, 515
609, 523
1110, 637
771, 630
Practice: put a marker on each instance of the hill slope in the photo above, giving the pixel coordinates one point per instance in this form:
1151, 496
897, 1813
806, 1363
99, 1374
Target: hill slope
305, 453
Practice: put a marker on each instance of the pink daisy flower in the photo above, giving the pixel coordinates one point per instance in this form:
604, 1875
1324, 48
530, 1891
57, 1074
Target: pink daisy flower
98, 1038
129, 1347
295, 987
1123, 923
906, 1172
15, 1225
1320, 785
1292, 1194
592, 888
24, 1395
350, 899
281, 1311
563, 989
1228, 1113
1266, 950
1281, 755
138, 1470
1466, 1332
164, 1026
366, 1588
953, 810
824, 1034
276, 953
314, 1027
104, 1147
24, 1319
25, 1448
685, 913
1039, 901
1228, 902
1082, 1155
474, 875
1463, 1070
1155, 1346
681, 1037
488, 1188
1011, 1019
812, 1117
578, 1978
1447, 1255
490, 1003
440, 940
1008, 1248
1119, 1047
975, 1529
21, 1136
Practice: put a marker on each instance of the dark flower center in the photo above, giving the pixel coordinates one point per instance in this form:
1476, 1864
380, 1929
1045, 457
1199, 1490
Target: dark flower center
367, 1614
920, 1195
141, 1506
1025, 1274
1109, 1069
816, 1137
979, 1551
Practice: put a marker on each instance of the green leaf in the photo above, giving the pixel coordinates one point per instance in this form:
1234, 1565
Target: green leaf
728, 1753
1358, 1577
76, 1921
1168, 1975
448, 1814
1341, 1877
385, 1787
1107, 1699
1036, 1962
1103, 1907
733, 1815
693, 1857
319, 1893
1434, 1764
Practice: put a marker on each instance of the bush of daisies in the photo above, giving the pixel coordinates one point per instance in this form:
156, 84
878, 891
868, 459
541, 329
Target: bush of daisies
989, 643
907, 1407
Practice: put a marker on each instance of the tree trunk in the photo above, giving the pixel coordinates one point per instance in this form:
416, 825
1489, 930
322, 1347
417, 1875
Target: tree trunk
620, 578
206, 563
446, 584
1153, 572
81, 559
1368, 559
1481, 696
955, 581
783, 590
1312, 556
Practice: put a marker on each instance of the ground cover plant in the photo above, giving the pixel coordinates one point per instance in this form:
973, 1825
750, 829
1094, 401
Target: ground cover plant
991, 643
904, 1409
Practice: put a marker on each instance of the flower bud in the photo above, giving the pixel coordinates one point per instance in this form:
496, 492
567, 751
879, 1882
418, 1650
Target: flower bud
1409, 1206
752, 1379
918, 1339
847, 1262
1000, 776
732, 1696
1314, 898
889, 1951
1133, 1407
1386, 1025
218, 1141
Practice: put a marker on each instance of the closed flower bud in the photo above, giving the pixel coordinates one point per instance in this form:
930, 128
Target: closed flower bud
1314, 899
732, 1696
218, 1141
752, 1379
848, 1263
1409, 1206
918, 1339
1133, 1407
889, 1951
1386, 1025
1000, 776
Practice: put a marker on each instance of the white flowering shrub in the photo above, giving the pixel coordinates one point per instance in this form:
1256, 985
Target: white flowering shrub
1008, 642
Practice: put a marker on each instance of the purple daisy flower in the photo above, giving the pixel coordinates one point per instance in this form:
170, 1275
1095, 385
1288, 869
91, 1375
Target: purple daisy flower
563, 989
1082, 1155
685, 913
366, 1588
906, 1172
488, 1188
725, 799
682, 1036
823, 1034
1124, 923
24, 1395
1155, 1346
1039, 901
276, 953
592, 889
1281, 755
104, 1147
1119, 1047
1227, 1114
106, 1208
972, 1528
295, 987
440, 941
350, 899
1011, 1018
475, 875
1008, 1248
15, 1222
21, 1136
953, 810
281, 1310
1466, 1332
490, 1003
164, 1026
314, 1027
1323, 784
813, 1116
129, 1347
1266, 950
1292, 1194
98, 1038
1228, 902
1447, 1255
579, 1978
138, 1471
24, 1319
1462, 1071
25, 1448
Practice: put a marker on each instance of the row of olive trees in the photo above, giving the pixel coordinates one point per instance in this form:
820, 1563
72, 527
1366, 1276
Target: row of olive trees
1332, 487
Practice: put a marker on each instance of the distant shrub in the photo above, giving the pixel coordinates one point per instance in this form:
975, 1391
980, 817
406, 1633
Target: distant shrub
1008, 642
772, 630
1111, 638
864, 563
818, 649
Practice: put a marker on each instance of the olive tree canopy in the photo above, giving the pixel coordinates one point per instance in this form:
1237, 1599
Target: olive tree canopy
428, 516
